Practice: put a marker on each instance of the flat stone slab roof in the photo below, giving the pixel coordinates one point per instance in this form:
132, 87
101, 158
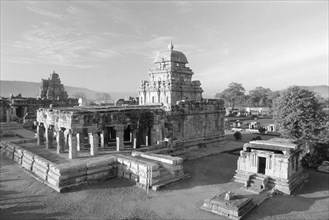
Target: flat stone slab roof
109, 108
274, 144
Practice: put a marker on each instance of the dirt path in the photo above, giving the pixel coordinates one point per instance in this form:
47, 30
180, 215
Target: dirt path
22, 197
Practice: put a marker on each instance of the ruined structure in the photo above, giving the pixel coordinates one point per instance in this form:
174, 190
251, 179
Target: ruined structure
171, 114
52, 88
20, 109
229, 204
272, 163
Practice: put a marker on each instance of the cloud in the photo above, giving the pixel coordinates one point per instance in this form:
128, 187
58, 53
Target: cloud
44, 12
143, 48
115, 12
183, 7
52, 44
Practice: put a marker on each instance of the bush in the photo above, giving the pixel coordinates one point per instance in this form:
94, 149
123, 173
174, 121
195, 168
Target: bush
256, 138
237, 135
314, 158
261, 130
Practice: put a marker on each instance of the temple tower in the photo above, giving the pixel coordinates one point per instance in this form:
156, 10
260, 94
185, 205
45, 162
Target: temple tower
52, 88
170, 80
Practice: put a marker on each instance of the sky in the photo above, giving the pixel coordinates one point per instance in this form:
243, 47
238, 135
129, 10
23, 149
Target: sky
109, 46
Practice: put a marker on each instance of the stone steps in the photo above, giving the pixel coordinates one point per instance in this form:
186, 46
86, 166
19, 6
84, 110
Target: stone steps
164, 183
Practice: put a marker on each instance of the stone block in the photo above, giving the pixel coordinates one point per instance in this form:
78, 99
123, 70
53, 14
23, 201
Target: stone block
67, 169
98, 169
98, 176
126, 175
28, 155
97, 163
27, 164
18, 159
39, 172
120, 173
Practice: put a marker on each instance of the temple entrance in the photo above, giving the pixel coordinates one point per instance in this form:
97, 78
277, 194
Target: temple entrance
111, 132
261, 165
126, 135
20, 112
145, 136
85, 138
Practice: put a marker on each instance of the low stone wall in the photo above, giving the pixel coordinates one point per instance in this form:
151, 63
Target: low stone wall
169, 169
145, 169
63, 176
145, 173
69, 175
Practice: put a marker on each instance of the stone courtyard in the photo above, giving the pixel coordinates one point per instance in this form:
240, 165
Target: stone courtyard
22, 197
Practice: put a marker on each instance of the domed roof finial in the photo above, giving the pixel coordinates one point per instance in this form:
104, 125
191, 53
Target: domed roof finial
171, 46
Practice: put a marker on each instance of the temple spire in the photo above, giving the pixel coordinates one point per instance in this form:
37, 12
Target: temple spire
170, 46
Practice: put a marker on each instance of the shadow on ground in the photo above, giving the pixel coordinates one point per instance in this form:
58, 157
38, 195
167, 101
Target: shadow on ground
210, 170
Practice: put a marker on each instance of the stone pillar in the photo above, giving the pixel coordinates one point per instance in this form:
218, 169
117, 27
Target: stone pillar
40, 134
147, 136
106, 137
73, 153
147, 140
25, 111
7, 115
120, 137
78, 141
94, 142
14, 115
60, 141
134, 138
102, 139
49, 137
66, 138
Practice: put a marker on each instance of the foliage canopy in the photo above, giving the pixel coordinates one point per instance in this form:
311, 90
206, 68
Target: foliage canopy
299, 116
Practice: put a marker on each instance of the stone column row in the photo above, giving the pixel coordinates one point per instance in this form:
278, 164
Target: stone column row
119, 137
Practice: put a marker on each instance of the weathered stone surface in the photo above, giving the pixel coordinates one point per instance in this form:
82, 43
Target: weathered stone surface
229, 205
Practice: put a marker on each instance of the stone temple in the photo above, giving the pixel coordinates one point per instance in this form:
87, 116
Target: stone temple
52, 88
170, 80
23, 109
171, 116
272, 163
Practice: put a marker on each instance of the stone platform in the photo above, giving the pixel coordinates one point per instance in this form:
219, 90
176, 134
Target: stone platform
233, 206
62, 173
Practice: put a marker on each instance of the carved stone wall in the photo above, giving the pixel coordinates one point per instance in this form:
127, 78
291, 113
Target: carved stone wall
52, 88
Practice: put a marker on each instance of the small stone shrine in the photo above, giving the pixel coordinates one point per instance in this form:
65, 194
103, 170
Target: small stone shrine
229, 205
270, 163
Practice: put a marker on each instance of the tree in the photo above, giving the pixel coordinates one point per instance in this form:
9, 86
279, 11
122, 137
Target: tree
103, 97
299, 116
260, 96
233, 95
261, 130
237, 135
272, 96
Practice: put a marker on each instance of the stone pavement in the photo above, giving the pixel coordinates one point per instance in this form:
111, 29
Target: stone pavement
24, 133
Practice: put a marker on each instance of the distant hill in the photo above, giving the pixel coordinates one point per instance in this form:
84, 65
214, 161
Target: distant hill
31, 89
322, 90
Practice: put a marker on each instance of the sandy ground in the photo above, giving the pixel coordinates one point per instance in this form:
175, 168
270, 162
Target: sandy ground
23, 197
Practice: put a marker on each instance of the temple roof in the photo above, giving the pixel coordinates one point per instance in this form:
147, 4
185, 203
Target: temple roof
170, 55
274, 144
